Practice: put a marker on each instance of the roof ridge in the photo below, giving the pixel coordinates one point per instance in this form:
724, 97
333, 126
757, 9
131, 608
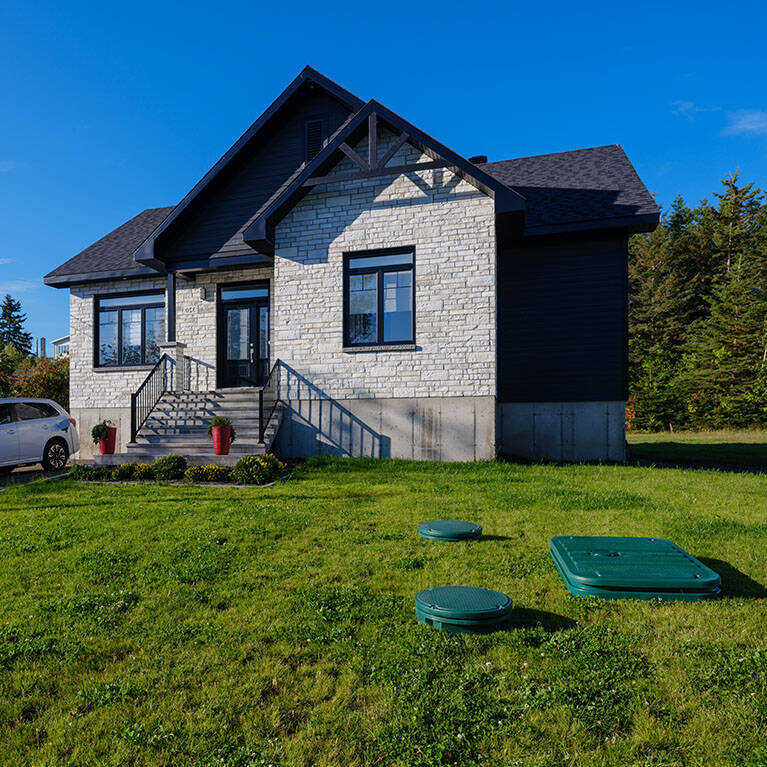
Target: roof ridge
554, 154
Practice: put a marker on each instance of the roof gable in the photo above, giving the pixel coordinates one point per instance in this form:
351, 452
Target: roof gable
146, 253
260, 234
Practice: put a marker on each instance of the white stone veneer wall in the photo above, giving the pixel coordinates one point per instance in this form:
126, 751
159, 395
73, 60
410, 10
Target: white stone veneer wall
451, 226
97, 394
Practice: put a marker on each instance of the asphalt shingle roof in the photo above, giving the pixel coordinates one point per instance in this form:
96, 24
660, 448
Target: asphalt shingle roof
585, 185
114, 251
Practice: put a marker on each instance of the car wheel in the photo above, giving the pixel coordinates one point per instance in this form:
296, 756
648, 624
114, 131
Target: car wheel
55, 455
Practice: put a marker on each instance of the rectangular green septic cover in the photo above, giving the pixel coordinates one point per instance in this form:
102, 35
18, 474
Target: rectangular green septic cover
638, 568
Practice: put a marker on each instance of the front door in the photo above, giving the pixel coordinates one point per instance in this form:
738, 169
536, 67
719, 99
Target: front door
244, 336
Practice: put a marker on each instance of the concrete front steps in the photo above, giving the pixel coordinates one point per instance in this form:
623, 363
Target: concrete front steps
178, 425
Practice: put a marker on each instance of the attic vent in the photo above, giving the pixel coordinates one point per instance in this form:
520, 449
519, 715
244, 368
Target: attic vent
315, 133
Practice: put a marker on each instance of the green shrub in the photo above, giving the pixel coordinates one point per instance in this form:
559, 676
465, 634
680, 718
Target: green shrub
87, 473
169, 467
257, 469
207, 473
81, 472
143, 471
249, 470
219, 420
124, 471
273, 464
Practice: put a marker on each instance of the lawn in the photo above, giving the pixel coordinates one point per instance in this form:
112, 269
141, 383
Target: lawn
178, 625
726, 448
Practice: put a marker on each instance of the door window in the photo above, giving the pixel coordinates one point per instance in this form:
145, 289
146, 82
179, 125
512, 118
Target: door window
263, 333
237, 333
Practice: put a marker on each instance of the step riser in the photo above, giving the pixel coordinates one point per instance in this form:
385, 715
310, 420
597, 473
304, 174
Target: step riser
179, 423
191, 449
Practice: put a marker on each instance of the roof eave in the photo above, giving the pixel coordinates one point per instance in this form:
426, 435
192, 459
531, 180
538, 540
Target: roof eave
644, 222
68, 280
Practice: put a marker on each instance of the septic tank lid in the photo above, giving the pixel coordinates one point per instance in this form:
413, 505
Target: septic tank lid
449, 530
463, 603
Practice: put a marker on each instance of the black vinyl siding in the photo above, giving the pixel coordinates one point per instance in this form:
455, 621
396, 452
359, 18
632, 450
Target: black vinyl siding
562, 320
214, 225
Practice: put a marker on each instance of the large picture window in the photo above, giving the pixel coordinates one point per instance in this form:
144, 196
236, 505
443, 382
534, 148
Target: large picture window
129, 329
379, 298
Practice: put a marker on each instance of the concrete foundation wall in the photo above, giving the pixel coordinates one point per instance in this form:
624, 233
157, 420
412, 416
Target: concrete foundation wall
88, 417
563, 431
420, 428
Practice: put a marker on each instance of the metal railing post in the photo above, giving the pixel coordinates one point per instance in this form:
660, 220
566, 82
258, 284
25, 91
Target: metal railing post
132, 417
261, 415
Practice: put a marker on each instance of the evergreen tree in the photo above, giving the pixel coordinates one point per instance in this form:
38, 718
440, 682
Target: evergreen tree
737, 219
12, 326
724, 374
654, 317
10, 362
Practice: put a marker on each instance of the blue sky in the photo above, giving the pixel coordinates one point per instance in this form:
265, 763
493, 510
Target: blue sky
110, 108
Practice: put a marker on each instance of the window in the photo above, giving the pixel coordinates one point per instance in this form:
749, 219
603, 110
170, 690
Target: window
315, 135
236, 294
129, 329
5, 414
29, 411
379, 296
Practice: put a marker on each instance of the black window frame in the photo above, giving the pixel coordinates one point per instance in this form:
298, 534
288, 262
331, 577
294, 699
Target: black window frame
379, 271
97, 309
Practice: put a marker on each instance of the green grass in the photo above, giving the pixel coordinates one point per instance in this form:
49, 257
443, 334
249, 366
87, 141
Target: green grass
727, 448
171, 625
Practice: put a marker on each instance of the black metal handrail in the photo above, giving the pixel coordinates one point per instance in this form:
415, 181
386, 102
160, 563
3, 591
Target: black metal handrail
144, 399
272, 386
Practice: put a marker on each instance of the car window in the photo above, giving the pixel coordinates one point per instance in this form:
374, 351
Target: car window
5, 414
29, 411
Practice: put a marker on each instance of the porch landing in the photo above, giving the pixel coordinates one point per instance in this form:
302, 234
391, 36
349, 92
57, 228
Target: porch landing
178, 425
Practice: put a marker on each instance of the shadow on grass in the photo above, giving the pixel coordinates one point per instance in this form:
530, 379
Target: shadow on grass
748, 457
734, 582
527, 617
484, 537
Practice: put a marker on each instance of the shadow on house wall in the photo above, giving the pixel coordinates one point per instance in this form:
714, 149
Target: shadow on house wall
316, 424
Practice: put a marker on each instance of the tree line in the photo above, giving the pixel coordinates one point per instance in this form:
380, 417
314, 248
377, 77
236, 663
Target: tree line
21, 374
698, 315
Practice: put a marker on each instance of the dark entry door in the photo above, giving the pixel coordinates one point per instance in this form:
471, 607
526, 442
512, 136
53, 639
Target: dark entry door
244, 339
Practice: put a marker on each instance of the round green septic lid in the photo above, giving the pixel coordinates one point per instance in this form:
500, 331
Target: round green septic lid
462, 603
449, 530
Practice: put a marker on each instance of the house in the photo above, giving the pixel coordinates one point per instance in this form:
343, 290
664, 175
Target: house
60, 346
341, 282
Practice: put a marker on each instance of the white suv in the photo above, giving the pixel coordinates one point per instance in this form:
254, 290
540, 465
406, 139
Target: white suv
36, 431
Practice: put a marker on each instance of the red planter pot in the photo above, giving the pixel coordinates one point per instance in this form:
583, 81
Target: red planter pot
222, 439
107, 446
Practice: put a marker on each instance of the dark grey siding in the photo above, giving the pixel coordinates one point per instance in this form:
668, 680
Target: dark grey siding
214, 225
562, 320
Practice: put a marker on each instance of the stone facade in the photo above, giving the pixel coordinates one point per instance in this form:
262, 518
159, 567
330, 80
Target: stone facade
450, 225
436, 401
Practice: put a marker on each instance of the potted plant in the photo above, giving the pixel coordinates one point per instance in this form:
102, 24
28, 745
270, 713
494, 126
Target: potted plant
222, 431
104, 434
